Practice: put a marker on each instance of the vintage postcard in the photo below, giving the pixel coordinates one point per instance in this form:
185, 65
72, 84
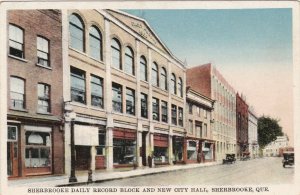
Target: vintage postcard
149, 97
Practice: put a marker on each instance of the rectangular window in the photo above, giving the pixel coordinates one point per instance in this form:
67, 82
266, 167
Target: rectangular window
12, 133
164, 111
43, 98
17, 93
205, 130
130, 101
144, 105
101, 148
198, 127
191, 126
43, 51
180, 116
198, 110
78, 92
97, 91
117, 97
174, 114
155, 109
190, 108
16, 41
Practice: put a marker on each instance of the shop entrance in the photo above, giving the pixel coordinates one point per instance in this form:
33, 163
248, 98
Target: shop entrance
83, 157
143, 151
12, 152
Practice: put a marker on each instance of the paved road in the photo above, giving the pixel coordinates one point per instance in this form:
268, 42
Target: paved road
256, 171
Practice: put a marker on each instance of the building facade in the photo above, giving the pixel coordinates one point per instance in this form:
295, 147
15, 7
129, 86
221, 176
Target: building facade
273, 148
252, 133
35, 99
241, 125
199, 144
127, 91
207, 80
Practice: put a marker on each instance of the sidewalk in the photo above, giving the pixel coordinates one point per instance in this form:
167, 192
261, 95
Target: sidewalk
99, 176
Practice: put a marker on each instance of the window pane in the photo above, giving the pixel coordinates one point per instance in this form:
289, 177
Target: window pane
163, 79
154, 74
129, 61
76, 33
130, 101
15, 34
117, 97
155, 109
95, 43
143, 69
144, 105
77, 85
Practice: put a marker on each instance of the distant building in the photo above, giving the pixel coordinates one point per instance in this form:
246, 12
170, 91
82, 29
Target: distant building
252, 133
273, 148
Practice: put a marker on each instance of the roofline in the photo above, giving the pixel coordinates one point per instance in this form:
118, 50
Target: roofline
189, 89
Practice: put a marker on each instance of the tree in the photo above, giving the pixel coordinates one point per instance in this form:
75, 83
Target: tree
268, 130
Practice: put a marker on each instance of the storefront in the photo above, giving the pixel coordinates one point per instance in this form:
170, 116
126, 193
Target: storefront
178, 149
192, 147
208, 151
124, 147
161, 149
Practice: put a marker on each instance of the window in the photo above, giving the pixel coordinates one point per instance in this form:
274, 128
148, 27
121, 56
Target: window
130, 101
164, 111
37, 149
198, 127
144, 105
43, 51
78, 85
97, 91
190, 126
16, 41
180, 88
117, 97
180, 116
163, 78
76, 33
129, 66
174, 114
101, 148
205, 130
17, 93
173, 84
154, 74
198, 110
12, 133
155, 109
116, 54
43, 98
190, 108
95, 41
143, 69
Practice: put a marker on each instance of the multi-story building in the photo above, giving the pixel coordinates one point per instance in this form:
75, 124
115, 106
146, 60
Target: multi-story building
199, 144
273, 148
125, 96
241, 125
252, 133
35, 100
207, 80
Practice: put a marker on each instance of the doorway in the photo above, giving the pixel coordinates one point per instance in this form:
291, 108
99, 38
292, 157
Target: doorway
83, 157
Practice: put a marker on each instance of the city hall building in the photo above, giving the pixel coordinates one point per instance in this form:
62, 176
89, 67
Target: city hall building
124, 92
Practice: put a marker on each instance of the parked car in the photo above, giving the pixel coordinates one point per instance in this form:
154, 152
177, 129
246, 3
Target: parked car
288, 159
230, 158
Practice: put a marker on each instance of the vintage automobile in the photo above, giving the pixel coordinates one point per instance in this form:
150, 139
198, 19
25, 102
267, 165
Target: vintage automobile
245, 156
230, 158
288, 159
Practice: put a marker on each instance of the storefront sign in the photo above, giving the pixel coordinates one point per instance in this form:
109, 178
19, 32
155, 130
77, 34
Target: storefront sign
86, 135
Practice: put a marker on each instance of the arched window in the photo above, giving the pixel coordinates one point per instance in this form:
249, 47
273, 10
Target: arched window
116, 53
95, 41
143, 69
154, 74
129, 66
173, 84
163, 78
17, 93
16, 41
76, 32
180, 88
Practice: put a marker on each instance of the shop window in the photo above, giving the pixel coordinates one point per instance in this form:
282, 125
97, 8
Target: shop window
180, 116
116, 53
164, 111
43, 98
38, 149
161, 154
144, 105
76, 32
95, 41
180, 88
143, 69
192, 150
97, 91
16, 41
154, 74
174, 114
17, 93
155, 109
78, 92
101, 148
163, 78
130, 101
178, 148
129, 65
124, 151
117, 97
173, 84
43, 51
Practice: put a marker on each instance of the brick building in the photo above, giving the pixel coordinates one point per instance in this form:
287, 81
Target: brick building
126, 88
208, 81
35, 99
241, 125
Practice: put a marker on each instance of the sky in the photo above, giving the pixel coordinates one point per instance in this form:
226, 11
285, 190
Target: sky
252, 48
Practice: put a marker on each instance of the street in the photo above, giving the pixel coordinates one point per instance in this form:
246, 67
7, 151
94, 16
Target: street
256, 171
